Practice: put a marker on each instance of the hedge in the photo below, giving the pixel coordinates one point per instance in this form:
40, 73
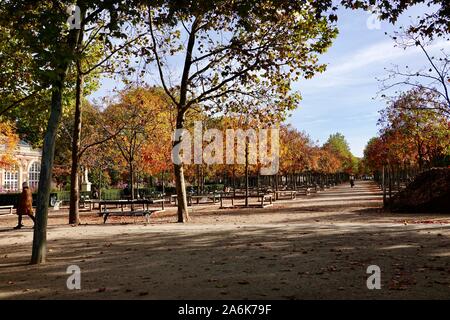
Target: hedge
7, 199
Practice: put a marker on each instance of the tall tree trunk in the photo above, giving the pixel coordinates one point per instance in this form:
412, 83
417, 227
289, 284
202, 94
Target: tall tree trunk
258, 182
202, 179
198, 179
132, 180
132, 183
183, 213
234, 182
39, 250
163, 182
246, 173
100, 184
74, 215
295, 181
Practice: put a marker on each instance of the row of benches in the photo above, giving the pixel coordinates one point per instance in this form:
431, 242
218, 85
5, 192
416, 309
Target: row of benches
263, 200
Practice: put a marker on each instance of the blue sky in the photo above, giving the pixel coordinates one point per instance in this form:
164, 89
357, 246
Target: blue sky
341, 99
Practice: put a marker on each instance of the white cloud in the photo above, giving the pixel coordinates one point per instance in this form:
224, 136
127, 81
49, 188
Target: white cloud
382, 52
354, 68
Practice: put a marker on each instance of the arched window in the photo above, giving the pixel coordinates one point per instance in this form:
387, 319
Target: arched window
33, 175
11, 179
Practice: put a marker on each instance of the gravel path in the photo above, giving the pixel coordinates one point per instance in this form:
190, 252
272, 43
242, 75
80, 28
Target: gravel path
316, 247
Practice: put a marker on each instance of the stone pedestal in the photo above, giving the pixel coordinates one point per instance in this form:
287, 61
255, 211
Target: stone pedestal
86, 187
85, 184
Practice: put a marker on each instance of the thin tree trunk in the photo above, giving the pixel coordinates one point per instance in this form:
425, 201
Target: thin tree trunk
132, 180
100, 184
390, 181
258, 182
198, 179
183, 214
234, 182
163, 182
39, 250
246, 173
202, 179
132, 183
74, 215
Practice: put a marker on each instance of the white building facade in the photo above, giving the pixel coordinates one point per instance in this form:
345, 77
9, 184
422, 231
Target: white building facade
26, 169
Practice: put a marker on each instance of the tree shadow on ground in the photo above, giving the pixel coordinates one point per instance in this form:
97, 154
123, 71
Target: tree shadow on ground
228, 262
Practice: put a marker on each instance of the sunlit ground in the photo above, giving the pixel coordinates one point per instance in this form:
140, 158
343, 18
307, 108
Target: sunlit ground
310, 248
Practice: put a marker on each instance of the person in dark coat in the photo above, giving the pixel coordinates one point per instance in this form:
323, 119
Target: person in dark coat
352, 181
25, 205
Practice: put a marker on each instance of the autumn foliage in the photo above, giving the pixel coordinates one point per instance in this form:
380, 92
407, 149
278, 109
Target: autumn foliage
8, 142
300, 154
410, 135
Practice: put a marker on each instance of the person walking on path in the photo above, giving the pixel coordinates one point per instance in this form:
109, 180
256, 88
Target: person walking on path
352, 181
25, 205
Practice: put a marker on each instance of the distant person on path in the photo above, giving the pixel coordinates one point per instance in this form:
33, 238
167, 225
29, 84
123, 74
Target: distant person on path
352, 181
25, 205
127, 192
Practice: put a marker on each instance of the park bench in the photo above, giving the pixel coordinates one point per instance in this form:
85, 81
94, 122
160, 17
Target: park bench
146, 210
198, 199
134, 213
304, 191
213, 196
264, 200
125, 203
84, 200
173, 199
6, 210
291, 194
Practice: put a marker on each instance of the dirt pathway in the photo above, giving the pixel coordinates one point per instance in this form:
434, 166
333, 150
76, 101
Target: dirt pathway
315, 247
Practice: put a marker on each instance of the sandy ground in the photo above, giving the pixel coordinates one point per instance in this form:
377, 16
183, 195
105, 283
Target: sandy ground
315, 247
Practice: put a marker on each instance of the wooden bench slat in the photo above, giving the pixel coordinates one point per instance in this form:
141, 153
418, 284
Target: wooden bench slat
5, 210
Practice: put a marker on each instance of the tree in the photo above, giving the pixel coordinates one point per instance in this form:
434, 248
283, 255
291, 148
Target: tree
235, 49
96, 131
18, 80
431, 81
296, 150
93, 55
53, 50
156, 154
8, 142
328, 160
423, 130
375, 154
143, 115
337, 144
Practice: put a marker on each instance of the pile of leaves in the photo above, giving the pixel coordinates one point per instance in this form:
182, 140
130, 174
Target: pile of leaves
428, 193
